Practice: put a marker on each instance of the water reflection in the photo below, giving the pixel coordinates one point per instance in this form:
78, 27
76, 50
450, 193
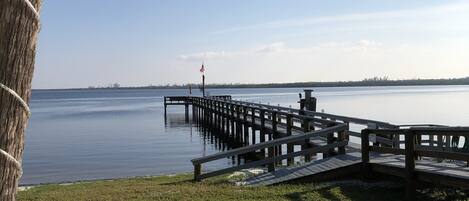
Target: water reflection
210, 138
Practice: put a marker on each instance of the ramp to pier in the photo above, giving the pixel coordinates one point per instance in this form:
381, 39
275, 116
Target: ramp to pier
335, 166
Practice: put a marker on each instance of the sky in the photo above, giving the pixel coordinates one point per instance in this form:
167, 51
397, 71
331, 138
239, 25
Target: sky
150, 42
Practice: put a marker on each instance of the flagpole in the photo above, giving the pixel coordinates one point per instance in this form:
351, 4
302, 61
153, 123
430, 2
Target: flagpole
203, 85
202, 70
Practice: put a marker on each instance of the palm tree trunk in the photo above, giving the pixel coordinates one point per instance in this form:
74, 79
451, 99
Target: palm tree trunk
19, 27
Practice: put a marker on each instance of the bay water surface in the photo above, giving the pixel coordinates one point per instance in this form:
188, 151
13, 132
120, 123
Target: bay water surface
76, 135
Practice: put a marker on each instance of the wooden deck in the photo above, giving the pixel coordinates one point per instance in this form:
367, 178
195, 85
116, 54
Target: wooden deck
350, 163
319, 168
424, 166
410, 152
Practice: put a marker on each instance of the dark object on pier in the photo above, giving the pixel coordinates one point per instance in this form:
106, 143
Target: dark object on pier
309, 102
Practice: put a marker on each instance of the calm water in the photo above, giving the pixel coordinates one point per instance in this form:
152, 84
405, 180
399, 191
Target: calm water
98, 134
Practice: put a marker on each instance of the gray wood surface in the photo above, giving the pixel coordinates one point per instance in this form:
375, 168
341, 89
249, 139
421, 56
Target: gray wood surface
308, 169
450, 169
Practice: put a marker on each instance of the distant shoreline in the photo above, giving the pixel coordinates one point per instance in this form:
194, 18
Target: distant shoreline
363, 83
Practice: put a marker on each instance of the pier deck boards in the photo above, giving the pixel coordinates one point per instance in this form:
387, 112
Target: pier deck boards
317, 167
447, 169
349, 163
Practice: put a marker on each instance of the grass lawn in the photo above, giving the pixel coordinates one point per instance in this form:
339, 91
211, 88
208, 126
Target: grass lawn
181, 187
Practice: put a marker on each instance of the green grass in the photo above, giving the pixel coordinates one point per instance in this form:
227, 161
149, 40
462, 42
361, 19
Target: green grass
181, 187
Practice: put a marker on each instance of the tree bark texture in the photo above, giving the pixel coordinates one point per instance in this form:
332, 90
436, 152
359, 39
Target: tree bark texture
19, 27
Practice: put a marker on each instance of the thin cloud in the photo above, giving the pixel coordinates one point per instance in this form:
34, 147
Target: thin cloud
204, 56
274, 47
263, 49
462, 6
280, 47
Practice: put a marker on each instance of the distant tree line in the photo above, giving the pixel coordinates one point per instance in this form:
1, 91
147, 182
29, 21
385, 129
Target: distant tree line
366, 82
375, 81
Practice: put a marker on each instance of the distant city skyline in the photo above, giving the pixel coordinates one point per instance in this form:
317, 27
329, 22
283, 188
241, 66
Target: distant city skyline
94, 43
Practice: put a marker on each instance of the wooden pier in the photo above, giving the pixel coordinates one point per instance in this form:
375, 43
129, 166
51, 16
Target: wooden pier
282, 137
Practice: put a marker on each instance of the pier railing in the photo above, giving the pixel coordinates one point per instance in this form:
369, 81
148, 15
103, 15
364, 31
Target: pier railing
352, 122
228, 116
271, 159
429, 153
419, 142
436, 142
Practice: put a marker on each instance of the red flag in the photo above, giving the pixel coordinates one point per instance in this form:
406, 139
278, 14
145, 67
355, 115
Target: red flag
202, 69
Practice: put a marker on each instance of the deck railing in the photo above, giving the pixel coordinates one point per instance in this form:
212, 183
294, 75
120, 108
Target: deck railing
327, 116
271, 159
418, 142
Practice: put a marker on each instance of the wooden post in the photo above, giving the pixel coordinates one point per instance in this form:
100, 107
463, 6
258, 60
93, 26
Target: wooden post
223, 118
193, 111
212, 117
330, 140
431, 138
217, 116
200, 112
165, 106
196, 111
205, 112
212, 113
309, 104
220, 117
410, 165
365, 144
238, 124
209, 114
440, 146
290, 147
245, 126
306, 145
253, 128
448, 142
227, 118
341, 137
186, 105
274, 118
194, 107
197, 171
232, 116
270, 166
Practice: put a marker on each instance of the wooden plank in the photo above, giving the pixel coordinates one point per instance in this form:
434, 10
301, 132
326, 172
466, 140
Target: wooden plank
433, 152
446, 169
387, 150
317, 167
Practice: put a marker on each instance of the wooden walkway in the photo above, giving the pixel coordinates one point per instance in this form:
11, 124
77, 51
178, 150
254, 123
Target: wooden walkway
349, 163
423, 153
